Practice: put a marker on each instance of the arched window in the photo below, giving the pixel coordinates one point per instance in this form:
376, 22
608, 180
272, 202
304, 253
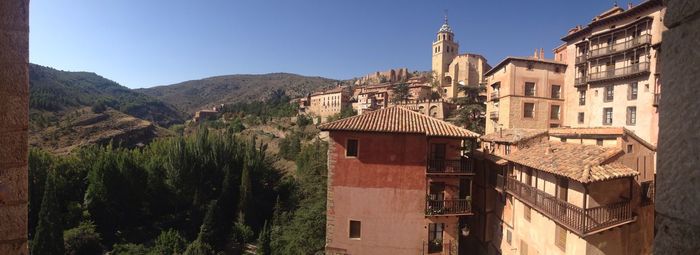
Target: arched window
443, 37
433, 111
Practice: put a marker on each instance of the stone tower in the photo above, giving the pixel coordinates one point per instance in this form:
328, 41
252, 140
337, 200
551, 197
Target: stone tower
445, 49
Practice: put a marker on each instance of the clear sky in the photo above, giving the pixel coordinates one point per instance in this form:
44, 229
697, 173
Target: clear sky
144, 43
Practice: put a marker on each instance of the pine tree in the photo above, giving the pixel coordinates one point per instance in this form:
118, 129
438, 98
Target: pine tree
48, 238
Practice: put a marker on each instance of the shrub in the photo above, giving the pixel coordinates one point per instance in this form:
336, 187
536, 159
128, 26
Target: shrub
82, 239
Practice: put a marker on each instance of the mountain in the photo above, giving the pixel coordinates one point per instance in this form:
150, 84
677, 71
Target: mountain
191, 96
57, 91
69, 109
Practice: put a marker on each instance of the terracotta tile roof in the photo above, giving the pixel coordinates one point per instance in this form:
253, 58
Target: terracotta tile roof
397, 119
480, 154
532, 59
513, 135
583, 163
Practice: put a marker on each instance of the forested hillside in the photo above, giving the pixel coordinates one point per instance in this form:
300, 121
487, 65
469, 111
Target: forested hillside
214, 189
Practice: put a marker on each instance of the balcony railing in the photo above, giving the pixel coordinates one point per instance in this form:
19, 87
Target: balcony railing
618, 47
580, 80
448, 166
438, 247
448, 207
620, 72
493, 115
657, 97
500, 183
579, 220
494, 95
581, 59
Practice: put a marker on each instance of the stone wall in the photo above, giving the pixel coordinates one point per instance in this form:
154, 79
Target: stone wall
677, 197
14, 111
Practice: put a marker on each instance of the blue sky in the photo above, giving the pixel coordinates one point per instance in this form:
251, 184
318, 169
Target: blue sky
147, 43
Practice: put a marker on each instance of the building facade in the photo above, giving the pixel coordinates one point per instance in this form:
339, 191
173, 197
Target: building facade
613, 76
326, 103
564, 191
525, 92
398, 183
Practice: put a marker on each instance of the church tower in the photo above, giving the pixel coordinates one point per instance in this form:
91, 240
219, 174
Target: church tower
445, 49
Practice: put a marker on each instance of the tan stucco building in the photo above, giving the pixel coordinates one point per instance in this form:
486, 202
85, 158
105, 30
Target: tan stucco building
525, 92
613, 76
323, 104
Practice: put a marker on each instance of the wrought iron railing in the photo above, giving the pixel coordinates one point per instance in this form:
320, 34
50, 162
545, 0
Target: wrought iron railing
579, 220
493, 115
438, 247
450, 166
494, 95
448, 207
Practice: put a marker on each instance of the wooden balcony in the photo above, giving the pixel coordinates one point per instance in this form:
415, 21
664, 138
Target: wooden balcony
580, 81
462, 166
581, 59
620, 47
581, 221
623, 72
448, 207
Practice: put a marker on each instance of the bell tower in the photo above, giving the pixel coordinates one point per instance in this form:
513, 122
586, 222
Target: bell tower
445, 49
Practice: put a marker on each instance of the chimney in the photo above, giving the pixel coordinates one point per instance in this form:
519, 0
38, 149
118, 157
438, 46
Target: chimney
629, 5
535, 55
548, 150
541, 53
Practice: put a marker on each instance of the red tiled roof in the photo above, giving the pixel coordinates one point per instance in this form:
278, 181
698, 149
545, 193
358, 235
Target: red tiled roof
513, 135
398, 120
583, 163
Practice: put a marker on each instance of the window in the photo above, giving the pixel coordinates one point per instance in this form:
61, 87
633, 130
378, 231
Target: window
351, 148
609, 94
523, 247
435, 237
562, 189
630, 147
607, 116
527, 212
437, 151
529, 110
355, 229
599, 142
582, 97
560, 237
507, 149
554, 113
581, 117
631, 115
509, 236
633, 91
556, 91
530, 89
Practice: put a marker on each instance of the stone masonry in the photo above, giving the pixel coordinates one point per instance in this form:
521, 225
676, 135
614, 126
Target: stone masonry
677, 197
14, 111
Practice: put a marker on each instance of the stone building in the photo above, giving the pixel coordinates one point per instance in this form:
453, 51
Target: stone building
452, 69
525, 92
398, 183
391, 76
14, 113
566, 191
613, 74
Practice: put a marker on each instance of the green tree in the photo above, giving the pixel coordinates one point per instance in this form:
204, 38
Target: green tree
82, 240
48, 238
470, 113
199, 248
401, 93
169, 242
